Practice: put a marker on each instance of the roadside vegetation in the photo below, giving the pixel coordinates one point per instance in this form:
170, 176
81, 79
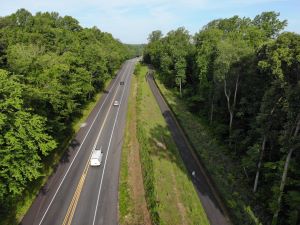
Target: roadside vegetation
170, 194
226, 175
132, 204
126, 204
135, 50
51, 70
235, 89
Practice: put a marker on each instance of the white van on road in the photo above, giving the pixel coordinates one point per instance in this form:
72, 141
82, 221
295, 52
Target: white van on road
116, 103
96, 157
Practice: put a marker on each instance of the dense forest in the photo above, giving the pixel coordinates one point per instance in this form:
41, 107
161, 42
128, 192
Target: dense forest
243, 76
135, 50
50, 68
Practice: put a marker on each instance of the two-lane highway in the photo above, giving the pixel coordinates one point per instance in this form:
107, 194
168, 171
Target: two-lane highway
78, 193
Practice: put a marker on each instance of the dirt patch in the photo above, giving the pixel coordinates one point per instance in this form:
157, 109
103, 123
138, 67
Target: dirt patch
135, 179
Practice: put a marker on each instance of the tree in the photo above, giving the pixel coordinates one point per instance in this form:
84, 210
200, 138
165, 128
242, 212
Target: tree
155, 36
23, 140
206, 52
269, 23
21, 57
180, 68
243, 76
22, 18
53, 68
281, 61
229, 73
269, 113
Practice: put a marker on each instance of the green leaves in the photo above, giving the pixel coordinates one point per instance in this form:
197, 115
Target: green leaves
10, 94
23, 139
170, 54
55, 67
243, 72
269, 23
21, 57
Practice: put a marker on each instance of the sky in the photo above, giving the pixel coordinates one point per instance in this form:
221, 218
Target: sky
131, 21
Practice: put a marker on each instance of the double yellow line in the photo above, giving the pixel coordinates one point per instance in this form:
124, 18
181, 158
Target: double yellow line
73, 204
72, 207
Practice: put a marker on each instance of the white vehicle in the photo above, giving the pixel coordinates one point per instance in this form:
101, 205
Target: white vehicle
116, 103
96, 157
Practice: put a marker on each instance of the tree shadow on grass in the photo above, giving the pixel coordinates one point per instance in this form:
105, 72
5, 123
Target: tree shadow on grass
161, 138
163, 146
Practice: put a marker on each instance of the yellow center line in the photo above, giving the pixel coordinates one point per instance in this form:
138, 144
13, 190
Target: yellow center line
72, 207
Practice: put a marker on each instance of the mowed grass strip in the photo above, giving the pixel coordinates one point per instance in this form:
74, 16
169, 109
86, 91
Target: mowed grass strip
176, 197
132, 204
126, 212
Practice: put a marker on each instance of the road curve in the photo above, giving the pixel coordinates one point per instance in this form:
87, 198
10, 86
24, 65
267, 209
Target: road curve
214, 208
77, 193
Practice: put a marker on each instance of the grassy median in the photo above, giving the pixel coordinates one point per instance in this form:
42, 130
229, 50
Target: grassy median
170, 194
132, 205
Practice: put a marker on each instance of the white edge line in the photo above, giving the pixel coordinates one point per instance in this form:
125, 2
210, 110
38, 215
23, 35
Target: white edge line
99, 134
75, 156
98, 197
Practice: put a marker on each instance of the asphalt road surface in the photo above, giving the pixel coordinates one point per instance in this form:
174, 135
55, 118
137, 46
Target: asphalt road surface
77, 193
214, 208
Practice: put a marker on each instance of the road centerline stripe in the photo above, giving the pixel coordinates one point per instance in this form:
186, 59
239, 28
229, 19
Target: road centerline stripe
72, 207
98, 197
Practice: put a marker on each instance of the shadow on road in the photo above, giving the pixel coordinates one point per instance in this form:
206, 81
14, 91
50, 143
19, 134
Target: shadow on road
72, 147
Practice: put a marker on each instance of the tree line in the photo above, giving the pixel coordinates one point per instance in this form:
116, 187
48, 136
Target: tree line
243, 76
50, 67
135, 50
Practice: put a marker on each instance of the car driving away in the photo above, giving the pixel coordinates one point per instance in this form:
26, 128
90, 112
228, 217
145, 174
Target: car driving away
116, 103
96, 157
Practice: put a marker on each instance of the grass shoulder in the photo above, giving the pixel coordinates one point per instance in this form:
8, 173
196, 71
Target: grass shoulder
170, 193
126, 212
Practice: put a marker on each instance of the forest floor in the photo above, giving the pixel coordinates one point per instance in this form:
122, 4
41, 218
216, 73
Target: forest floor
177, 199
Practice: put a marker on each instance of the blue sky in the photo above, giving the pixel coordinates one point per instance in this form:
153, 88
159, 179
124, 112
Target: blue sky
132, 20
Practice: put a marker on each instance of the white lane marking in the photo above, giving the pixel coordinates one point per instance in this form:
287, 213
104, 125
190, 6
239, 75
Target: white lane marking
104, 121
98, 197
76, 154
97, 139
